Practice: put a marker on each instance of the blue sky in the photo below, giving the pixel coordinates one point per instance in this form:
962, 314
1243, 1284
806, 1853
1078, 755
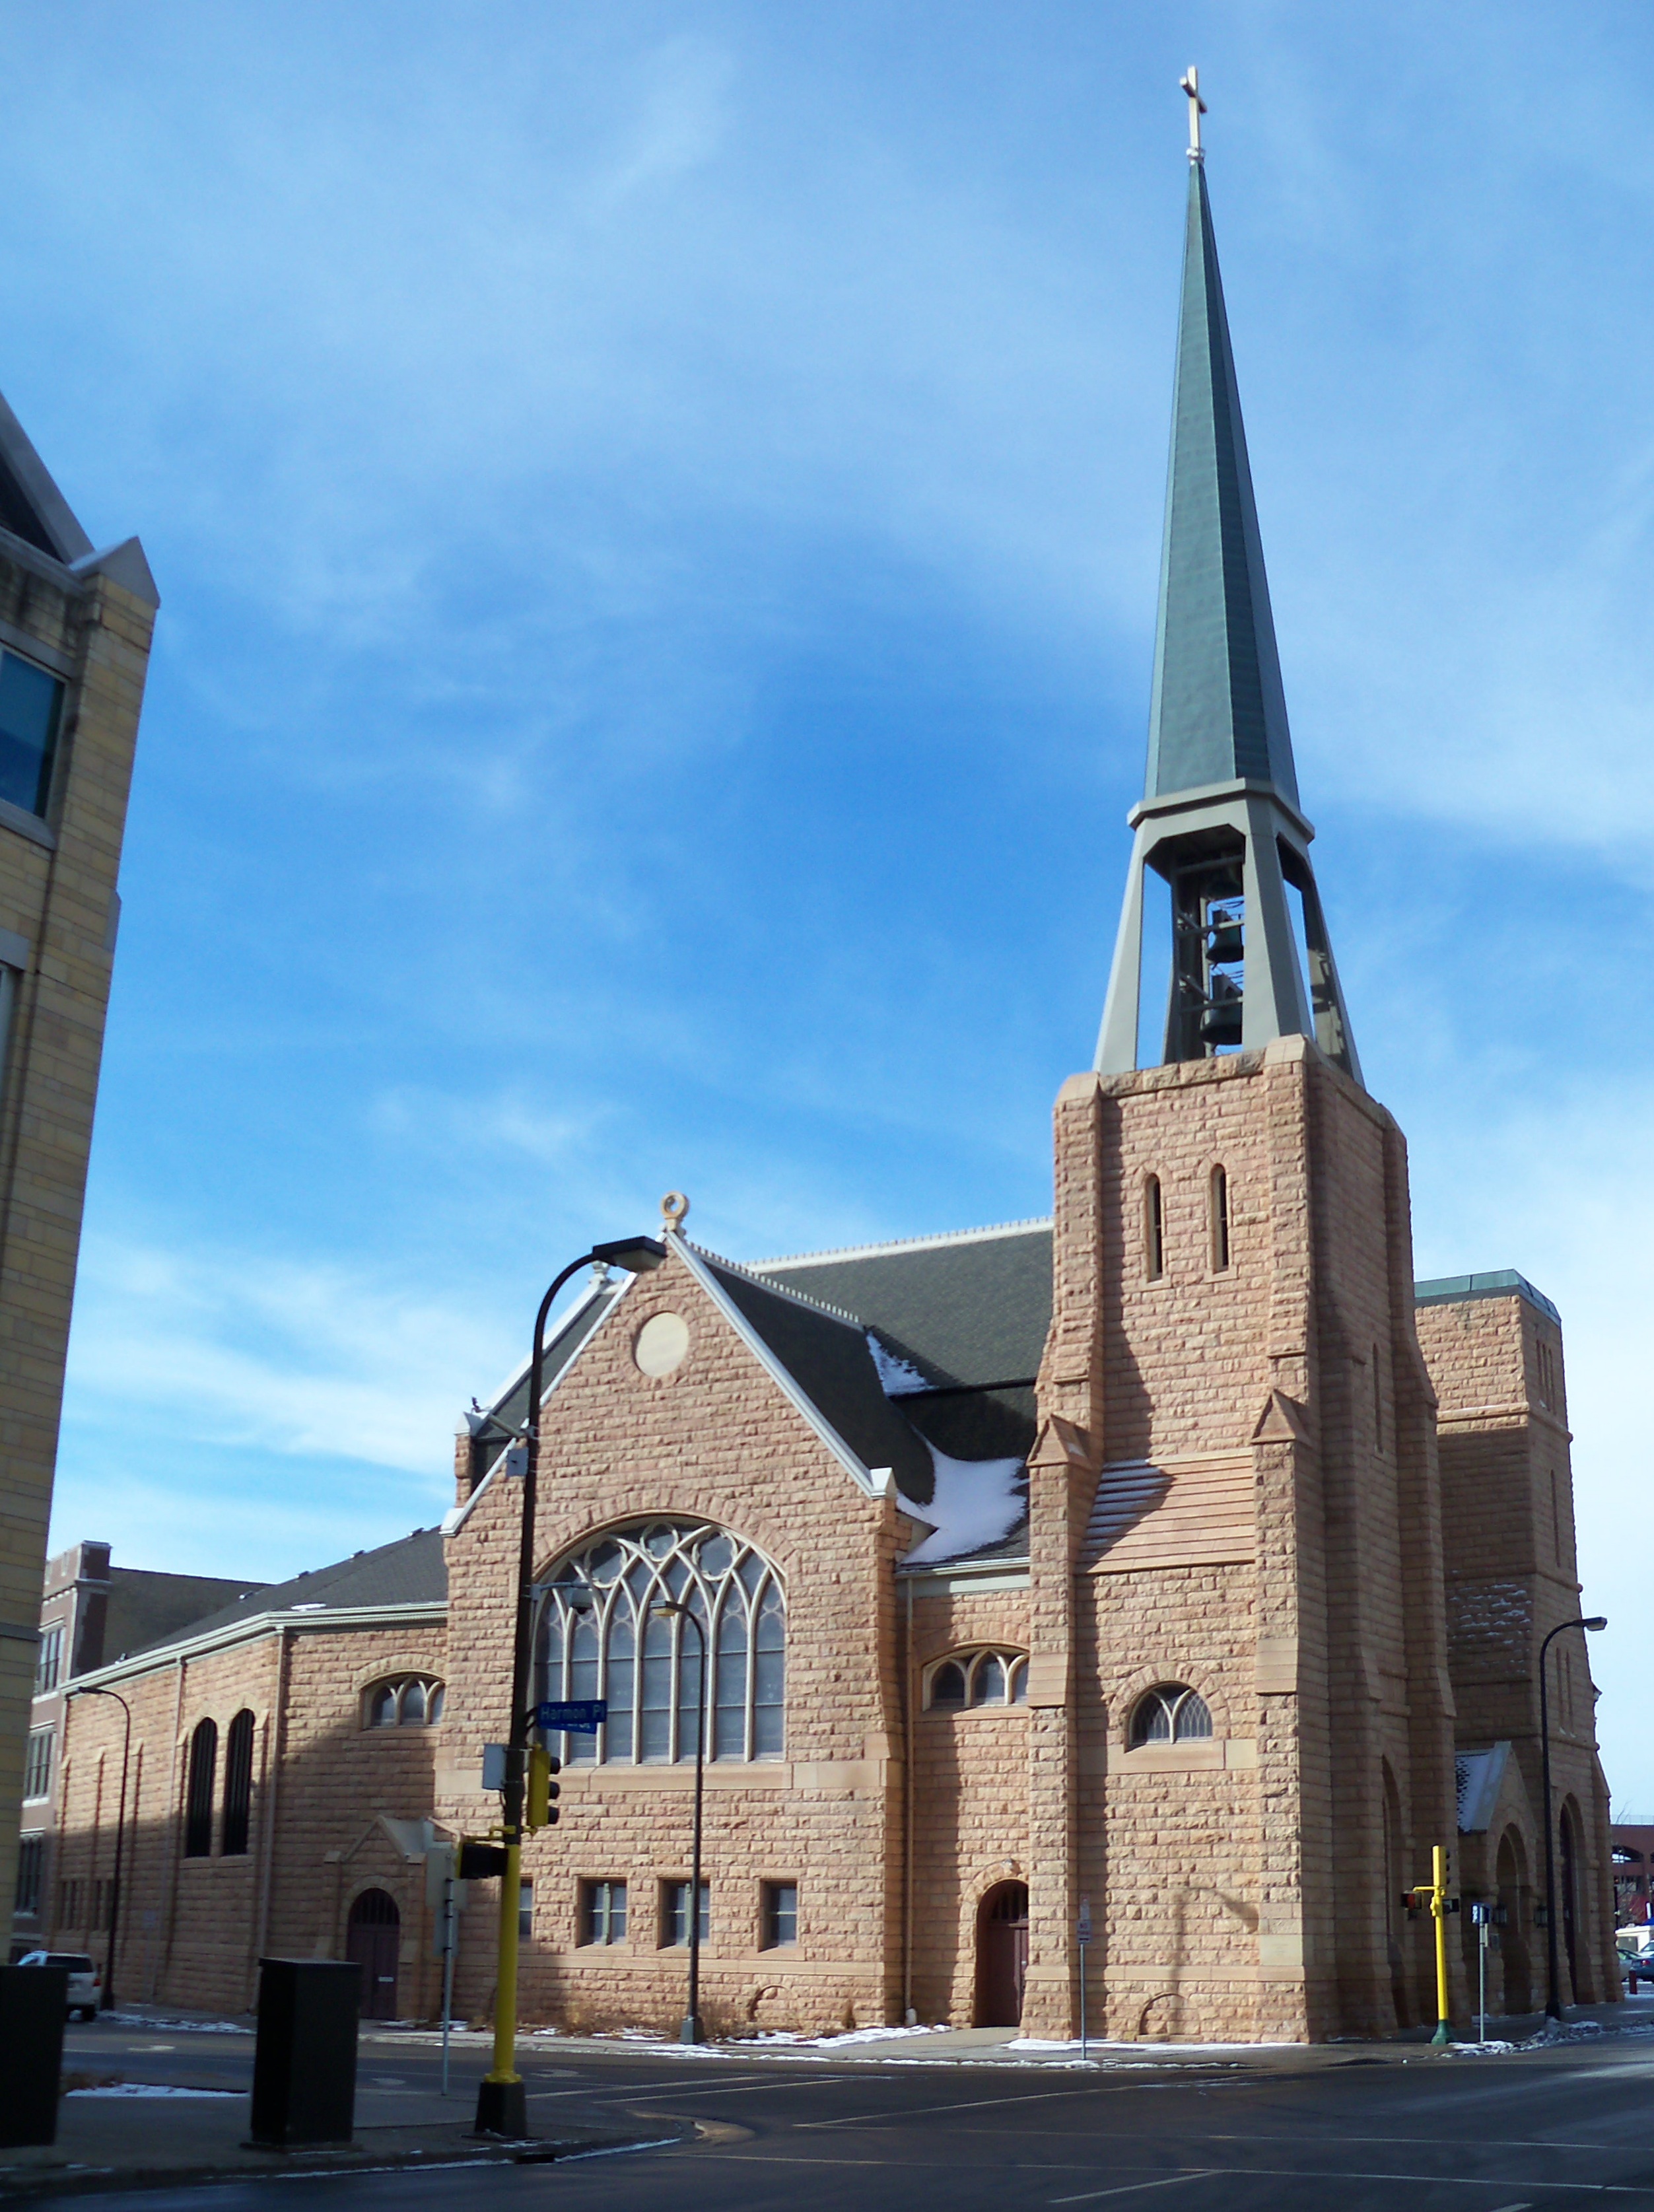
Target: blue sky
657, 513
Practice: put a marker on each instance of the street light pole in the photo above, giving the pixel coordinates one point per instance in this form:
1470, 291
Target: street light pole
1553, 1997
502, 2102
108, 2001
690, 2031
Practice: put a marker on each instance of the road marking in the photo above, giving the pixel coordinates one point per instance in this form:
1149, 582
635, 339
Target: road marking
974, 2105
1136, 2188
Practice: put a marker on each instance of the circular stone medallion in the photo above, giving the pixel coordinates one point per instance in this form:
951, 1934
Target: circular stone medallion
662, 1344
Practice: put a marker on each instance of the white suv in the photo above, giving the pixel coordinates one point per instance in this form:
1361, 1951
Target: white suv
85, 1978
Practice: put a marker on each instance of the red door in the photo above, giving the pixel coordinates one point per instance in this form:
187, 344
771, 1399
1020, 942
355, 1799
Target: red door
374, 1941
1002, 1955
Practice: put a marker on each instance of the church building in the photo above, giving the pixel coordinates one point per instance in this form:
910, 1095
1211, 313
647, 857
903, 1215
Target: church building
1173, 1570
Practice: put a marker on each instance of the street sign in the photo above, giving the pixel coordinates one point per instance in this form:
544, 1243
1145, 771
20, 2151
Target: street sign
1084, 1928
574, 1716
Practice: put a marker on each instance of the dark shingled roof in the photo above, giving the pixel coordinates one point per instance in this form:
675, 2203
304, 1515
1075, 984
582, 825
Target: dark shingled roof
410, 1571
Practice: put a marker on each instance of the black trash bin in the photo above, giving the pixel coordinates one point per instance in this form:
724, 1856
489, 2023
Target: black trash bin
304, 2068
34, 2006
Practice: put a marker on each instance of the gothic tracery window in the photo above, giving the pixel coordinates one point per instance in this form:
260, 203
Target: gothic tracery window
406, 1701
978, 1678
598, 1637
1170, 1713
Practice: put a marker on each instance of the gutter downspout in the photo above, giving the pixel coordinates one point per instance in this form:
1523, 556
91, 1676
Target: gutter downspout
275, 1750
908, 1704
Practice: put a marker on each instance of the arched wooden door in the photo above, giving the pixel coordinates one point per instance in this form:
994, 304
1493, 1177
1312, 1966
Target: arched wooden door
1002, 1954
373, 1941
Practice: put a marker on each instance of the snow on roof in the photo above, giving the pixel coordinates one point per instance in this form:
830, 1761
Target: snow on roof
976, 1503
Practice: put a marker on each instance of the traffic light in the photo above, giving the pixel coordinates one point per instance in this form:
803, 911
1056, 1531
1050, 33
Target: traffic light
541, 1811
480, 1862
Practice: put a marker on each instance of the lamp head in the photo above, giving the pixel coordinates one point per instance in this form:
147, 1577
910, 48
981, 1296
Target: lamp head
638, 1255
1598, 1620
665, 1605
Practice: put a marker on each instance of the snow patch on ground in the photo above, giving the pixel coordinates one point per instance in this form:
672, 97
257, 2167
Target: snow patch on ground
797, 2040
150, 2089
975, 1502
176, 2026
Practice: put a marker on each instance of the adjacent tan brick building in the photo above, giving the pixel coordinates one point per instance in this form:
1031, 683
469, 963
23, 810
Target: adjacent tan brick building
75, 629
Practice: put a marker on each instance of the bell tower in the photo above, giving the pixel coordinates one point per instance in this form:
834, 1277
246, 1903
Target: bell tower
1240, 1712
1219, 818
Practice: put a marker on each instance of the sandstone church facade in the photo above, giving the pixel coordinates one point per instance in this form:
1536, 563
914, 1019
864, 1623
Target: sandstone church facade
1178, 1564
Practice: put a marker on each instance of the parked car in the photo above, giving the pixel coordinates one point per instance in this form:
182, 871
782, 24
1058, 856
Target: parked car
85, 1978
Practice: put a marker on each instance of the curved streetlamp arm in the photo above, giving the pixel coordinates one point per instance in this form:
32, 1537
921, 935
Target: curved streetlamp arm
95, 1690
1552, 1965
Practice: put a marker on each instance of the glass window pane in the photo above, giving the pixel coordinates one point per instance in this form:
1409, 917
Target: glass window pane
525, 1909
769, 1677
1019, 1683
989, 1686
729, 1714
947, 1685
381, 1706
623, 1668
413, 1702
1194, 1719
582, 1681
30, 703
781, 1912
688, 1684
433, 1705
655, 1713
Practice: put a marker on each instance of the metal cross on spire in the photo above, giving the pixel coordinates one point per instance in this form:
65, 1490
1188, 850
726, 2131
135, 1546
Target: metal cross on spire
1190, 83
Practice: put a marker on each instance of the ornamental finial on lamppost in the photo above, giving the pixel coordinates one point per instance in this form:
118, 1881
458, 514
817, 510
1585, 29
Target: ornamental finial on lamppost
1190, 83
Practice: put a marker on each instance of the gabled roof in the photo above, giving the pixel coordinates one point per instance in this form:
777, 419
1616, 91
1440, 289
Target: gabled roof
1218, 711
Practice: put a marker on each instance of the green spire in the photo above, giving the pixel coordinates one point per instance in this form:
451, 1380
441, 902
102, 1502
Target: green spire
1218, 712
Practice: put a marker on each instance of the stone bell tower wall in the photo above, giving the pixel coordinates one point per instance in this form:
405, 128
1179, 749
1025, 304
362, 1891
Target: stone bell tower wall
1265, 1528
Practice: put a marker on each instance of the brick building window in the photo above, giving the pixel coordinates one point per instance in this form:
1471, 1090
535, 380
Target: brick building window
1170, 1713
603, 1913
780, 1914
1154, 1231
36, 1765
598, 1637
31, 1867
50, 1664
1219, 1219
978, 1678
674, 1913
31, 706
238, 1785
198, 1796
409, 1701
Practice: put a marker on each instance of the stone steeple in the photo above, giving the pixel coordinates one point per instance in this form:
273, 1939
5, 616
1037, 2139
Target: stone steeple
1220, 819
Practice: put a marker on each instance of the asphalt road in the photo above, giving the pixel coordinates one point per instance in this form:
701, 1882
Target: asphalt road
1568, 2127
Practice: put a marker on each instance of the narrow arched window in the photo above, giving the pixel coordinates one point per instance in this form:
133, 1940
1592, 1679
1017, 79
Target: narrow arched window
198, 1791
238, 1785
622, 1621
1219, 1219
1170, 1713
1154, 1246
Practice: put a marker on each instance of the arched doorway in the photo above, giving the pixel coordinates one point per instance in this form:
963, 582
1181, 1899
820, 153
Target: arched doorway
1512, 1876
1002, 1954
374, 1941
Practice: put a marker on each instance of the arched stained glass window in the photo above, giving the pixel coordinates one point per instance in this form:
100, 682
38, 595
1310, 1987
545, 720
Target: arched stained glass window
1171, 1713
979, 1678
598, 1637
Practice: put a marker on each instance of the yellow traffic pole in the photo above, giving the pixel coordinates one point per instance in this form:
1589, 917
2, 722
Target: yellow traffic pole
1436, 1890
503, 2078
